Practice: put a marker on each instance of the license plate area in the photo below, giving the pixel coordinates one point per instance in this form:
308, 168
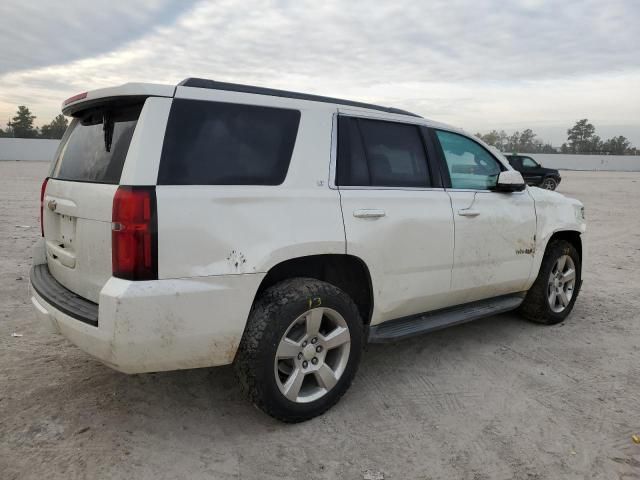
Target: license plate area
60, 246
67, 229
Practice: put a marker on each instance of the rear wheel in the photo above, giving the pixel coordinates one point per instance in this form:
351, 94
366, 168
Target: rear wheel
549, 183
552, 296
300, 349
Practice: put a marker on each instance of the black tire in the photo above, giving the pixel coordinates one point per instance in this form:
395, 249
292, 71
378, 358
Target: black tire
549, 183
270, 317
536, 306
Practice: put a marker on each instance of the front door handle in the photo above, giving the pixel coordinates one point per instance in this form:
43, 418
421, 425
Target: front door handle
369, 213
468, 213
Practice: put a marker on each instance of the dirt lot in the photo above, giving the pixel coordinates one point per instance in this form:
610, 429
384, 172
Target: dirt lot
500, 398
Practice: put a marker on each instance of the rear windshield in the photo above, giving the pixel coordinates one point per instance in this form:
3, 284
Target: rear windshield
214, 143
95, 145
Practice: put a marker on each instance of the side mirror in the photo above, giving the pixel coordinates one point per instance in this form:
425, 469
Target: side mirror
510, 181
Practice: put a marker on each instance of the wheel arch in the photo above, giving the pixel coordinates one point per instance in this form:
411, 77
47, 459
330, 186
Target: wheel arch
572, 236
347, 272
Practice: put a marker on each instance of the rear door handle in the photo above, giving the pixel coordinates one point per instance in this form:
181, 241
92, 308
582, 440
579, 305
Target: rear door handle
369, 213
468, 213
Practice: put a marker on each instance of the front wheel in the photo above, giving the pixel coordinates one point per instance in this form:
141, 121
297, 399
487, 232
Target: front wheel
300, 350
553, 294
549, 183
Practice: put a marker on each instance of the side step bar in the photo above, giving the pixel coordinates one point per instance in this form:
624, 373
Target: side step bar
428, 322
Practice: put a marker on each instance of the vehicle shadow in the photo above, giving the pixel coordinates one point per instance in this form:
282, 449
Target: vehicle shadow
192, 400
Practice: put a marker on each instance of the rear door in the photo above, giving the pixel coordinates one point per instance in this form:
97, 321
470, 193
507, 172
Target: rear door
397, 216
78, 199
494, 231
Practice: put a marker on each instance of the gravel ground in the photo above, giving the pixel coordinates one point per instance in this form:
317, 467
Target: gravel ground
496, 399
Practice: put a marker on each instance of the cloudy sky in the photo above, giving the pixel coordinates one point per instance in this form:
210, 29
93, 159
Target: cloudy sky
476, 64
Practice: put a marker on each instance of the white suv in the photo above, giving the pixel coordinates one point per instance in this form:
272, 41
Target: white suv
211, 223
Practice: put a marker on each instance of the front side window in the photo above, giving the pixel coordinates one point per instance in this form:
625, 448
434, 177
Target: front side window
213, 143
529, 162
380, 154
470, 165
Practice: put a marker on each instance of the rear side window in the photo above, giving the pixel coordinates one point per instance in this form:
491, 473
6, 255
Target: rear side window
213, 143
381, 154
95, 145
352, 167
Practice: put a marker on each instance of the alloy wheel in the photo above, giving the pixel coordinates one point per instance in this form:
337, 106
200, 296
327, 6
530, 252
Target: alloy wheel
312, 355
561, 285
549, 184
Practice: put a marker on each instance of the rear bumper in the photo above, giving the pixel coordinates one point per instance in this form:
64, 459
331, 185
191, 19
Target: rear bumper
156, 325
62, 299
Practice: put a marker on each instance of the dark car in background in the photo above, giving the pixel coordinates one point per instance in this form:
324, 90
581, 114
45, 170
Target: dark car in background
534, 173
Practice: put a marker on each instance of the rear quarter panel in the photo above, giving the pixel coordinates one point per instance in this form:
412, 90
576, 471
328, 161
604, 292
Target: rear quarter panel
226, 229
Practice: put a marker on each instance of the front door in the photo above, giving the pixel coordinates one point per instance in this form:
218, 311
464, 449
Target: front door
494, 231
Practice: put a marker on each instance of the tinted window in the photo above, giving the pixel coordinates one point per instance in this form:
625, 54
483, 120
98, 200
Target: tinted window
470, 165
212, 143
352, 168
95, 145
516, 162
378, 153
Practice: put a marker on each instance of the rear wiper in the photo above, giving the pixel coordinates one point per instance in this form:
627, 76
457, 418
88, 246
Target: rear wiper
107, 127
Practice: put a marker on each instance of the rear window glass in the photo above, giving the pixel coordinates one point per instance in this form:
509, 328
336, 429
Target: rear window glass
95, 145
381, 154
213, 143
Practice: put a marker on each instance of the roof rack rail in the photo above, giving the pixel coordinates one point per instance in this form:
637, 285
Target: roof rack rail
236, 87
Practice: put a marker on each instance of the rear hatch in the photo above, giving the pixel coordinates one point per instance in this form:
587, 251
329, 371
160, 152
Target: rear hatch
78, 199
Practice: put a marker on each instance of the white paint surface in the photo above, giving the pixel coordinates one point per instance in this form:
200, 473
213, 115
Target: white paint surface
33, 149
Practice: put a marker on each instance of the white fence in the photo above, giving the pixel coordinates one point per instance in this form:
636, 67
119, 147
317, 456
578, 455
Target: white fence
33, 149
37, 149
616, 163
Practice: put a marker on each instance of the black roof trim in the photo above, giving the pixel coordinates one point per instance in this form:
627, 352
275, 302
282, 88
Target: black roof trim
236, 87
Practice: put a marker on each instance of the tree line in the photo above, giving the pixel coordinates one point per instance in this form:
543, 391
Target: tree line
21, 126
581, 138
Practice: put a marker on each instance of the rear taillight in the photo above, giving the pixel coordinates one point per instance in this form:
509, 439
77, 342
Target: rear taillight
134, 239
43, 188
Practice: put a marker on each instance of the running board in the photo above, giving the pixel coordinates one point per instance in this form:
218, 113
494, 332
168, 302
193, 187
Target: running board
428, 322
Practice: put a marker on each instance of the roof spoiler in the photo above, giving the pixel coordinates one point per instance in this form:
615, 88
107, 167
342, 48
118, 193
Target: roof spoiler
129, 92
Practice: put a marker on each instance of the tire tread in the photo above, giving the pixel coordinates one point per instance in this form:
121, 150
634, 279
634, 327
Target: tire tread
535, 307
250, 349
